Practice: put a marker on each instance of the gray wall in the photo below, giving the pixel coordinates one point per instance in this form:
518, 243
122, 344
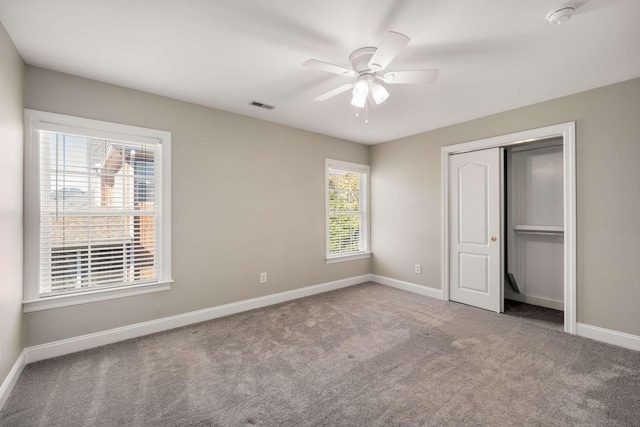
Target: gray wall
11, 119
406, 198
247, 196
258, 187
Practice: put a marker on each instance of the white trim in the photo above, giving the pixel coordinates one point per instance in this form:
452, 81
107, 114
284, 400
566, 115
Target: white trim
407, 286
47, 303
517, 138
85, 342
567, 132
444, 223
12, 378
31, 208
502, 235
535, 300
609, 336
93, 132
165, 210
45, 120
570, 231
341, 165
35, 120
344, 258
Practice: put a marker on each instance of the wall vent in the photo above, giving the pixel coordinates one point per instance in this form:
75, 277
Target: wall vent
262, 105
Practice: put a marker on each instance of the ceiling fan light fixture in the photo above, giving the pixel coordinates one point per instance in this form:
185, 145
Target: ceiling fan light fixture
367, 64
358, 102
379, 93
361, 89
360, 92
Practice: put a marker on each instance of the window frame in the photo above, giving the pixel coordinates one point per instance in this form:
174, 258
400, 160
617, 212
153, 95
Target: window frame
41, 120
347, 167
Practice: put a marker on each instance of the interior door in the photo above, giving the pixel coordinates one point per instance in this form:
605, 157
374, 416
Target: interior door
475, 233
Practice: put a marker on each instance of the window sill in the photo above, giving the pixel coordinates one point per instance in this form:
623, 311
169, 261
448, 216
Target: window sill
46, 303
348, 258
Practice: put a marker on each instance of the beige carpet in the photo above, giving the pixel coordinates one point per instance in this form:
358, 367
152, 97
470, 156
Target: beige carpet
368, 355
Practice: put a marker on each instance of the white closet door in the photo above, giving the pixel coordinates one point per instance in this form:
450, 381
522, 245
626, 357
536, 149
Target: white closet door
474, 182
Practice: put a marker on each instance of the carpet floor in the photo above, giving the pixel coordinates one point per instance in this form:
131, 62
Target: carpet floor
367, 355
542, 316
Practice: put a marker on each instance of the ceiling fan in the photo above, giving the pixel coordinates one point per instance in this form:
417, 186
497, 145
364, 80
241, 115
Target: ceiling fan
367, 64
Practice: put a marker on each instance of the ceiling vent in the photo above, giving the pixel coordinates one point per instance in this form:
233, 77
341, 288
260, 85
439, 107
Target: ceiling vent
262, 105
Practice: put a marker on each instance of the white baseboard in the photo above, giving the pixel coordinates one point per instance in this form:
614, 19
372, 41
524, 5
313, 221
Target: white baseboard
407, 286
594, 332
535, 300
85, 342
12, 378
609, 336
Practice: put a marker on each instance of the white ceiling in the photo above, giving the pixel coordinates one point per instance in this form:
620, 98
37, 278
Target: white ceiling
493, 55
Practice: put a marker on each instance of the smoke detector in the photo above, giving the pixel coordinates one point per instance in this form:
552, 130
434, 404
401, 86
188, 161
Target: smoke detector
560, 15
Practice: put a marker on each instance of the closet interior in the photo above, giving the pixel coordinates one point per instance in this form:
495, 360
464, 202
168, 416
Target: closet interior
534, 217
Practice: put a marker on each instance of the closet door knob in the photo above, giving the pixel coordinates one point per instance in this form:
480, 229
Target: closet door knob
494, 238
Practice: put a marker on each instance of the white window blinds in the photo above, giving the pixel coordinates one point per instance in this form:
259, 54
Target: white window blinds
347, 209
99, 217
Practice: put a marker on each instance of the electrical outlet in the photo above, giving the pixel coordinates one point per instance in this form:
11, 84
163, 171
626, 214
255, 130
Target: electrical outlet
263, 277
418, 269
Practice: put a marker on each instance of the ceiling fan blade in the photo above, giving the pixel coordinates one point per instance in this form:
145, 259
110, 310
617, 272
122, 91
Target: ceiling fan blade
407, 77
324, 66
391, 45
334, 92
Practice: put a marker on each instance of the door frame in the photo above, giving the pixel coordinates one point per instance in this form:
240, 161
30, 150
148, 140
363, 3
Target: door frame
566, 131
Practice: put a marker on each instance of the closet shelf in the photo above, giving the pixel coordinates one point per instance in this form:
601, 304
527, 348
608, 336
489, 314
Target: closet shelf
539, 229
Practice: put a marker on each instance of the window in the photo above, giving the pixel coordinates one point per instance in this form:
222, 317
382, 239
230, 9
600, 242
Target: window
347, 199
98, 208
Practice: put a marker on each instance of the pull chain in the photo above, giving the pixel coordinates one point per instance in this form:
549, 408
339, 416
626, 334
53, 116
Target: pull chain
366, 113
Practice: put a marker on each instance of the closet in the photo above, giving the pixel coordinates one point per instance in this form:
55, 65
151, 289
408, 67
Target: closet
509, 224
534, 256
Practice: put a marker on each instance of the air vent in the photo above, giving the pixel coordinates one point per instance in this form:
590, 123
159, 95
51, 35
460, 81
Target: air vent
261, 105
